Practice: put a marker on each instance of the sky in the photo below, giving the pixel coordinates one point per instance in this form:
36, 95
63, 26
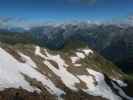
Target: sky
61, 10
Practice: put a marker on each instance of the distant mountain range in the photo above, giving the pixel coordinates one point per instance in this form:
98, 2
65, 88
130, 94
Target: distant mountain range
113, 41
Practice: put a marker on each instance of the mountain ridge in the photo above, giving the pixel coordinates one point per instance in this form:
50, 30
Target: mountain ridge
55, 66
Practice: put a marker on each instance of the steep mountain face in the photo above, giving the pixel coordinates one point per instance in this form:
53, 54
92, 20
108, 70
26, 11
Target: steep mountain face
121, 48
31, 72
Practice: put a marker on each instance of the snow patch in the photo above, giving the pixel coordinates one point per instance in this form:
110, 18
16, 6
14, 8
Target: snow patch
11, 72
101, 88
75, 59
121, 83
121, 92
88, 80
68, 79
77, 65
87, 51
98, 76
80, 55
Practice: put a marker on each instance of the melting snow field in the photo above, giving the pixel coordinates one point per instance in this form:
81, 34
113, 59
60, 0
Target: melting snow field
11, 72
80, 55
11, 75
101, 88
70, 80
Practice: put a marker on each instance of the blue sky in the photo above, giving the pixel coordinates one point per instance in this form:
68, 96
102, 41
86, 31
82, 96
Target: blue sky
60, 10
